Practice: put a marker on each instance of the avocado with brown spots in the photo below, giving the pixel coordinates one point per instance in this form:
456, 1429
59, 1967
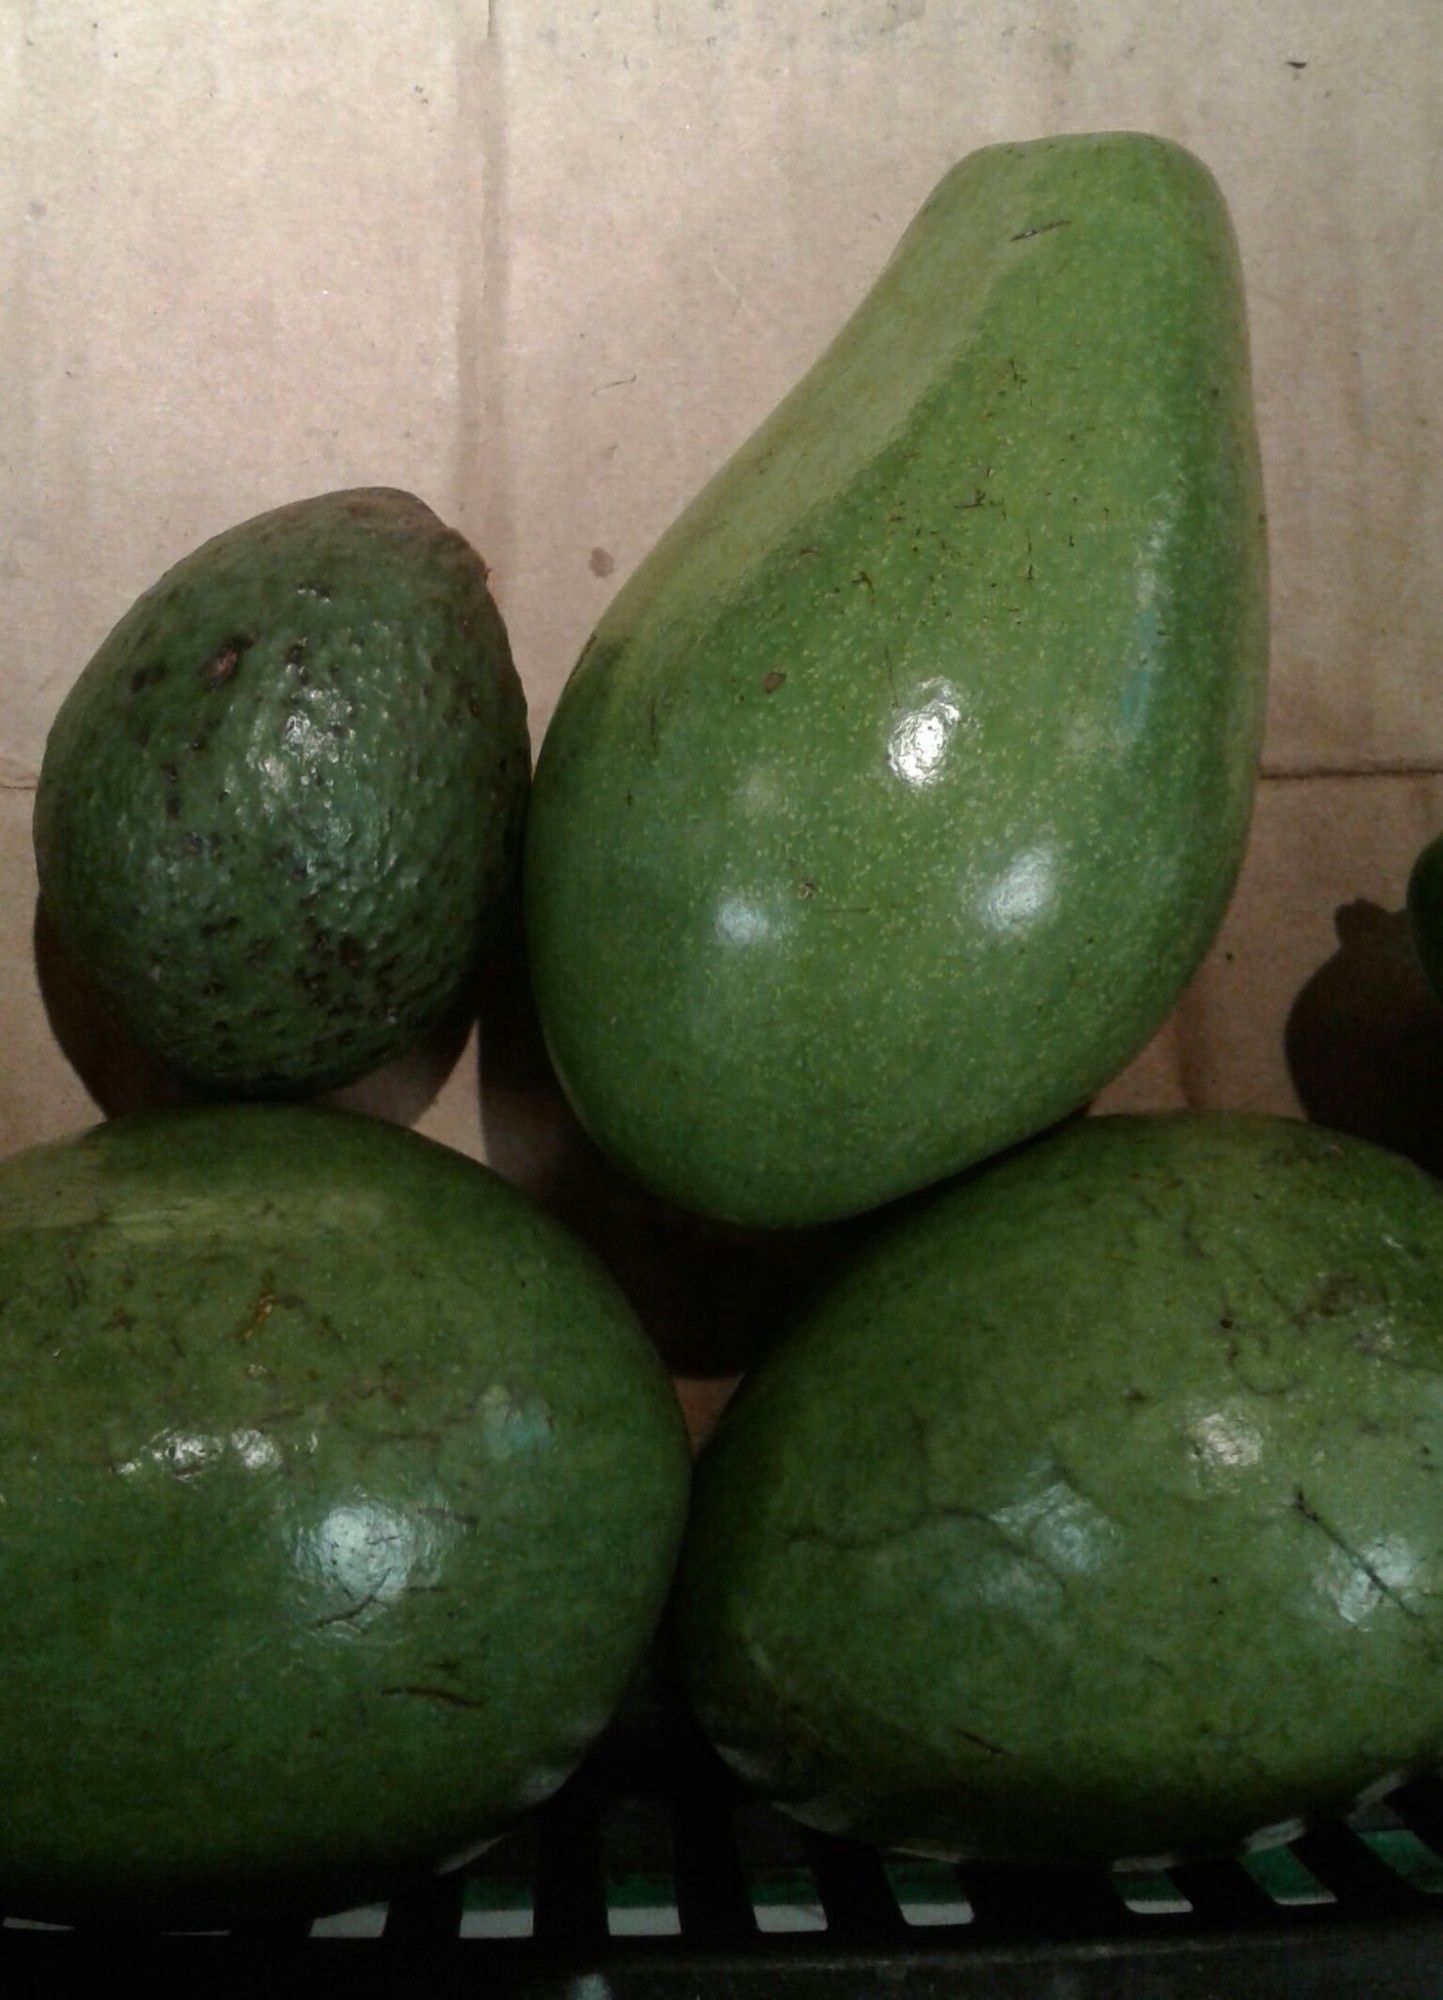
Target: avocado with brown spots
1098, 1512
339, 1496
900, 791
280, 808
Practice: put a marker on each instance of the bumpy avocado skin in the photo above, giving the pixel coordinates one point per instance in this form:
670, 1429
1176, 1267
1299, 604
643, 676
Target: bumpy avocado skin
899, 792
341, 1493
1096, 1513
279, 809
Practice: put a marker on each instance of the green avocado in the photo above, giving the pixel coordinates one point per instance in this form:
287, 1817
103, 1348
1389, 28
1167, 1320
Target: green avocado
1425, 908
340, 1495
279, 809
1096, 1512
900, 791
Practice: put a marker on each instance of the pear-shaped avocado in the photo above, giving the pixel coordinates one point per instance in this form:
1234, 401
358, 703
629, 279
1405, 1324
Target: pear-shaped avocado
1095, 1513
279, 809
340, 1495
899, 792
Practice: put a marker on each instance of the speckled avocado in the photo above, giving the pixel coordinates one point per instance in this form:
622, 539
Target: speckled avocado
1098, 1511
340, 1494
899, 792
279, 809
1425, 907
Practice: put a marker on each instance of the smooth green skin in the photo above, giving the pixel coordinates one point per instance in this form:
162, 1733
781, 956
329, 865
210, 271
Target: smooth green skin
1425, 907
340, 1493
1098, 1511
900, 791
280, 808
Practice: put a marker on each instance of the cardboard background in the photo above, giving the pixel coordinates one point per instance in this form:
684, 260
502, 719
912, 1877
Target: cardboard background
547, 263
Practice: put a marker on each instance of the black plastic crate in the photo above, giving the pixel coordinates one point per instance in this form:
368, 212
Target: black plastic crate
651, 1875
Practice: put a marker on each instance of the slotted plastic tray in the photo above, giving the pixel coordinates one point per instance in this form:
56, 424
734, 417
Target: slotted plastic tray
650, 1875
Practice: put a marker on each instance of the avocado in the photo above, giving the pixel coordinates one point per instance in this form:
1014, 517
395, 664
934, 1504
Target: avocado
1425, 909
279, 810
341, 1493
1095, 1513
897, 795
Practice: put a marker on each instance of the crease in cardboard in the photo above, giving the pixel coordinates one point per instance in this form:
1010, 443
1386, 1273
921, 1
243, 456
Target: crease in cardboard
486, 463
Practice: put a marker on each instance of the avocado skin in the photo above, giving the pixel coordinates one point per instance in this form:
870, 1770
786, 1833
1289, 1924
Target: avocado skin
341, 1496
1095, 1513
279, 810
1425, 909
900, 791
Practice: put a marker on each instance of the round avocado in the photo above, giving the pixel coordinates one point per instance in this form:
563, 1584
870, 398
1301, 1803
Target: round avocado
279, 810
341, 1493
1425, 908
1098, 1511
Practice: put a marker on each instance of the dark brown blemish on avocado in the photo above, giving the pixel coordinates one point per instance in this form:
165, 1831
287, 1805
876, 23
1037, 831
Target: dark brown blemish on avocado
147, 676
351, 952
772, 682
265, 1305
222, 664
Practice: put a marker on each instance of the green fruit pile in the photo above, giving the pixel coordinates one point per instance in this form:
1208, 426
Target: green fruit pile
1093, 1512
